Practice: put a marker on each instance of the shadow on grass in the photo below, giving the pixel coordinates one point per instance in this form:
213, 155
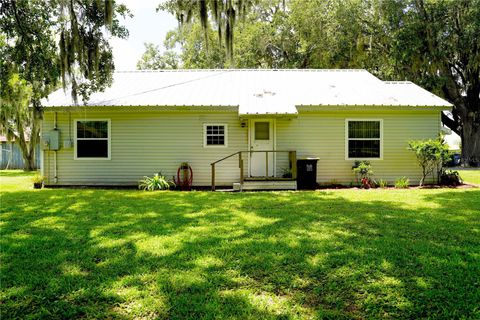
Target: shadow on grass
126, 254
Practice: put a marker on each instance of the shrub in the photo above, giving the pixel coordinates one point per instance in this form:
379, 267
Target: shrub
382, 183
38, 179
450, 178
402, 183
157, 182
431, 155
363, 169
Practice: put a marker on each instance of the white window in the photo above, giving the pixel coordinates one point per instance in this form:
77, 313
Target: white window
215, 135
364, 139
92, 139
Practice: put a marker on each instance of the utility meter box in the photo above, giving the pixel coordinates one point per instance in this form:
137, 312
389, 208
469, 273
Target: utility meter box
54, 139
67, 144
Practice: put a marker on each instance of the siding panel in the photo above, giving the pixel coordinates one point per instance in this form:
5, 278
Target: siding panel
146, 142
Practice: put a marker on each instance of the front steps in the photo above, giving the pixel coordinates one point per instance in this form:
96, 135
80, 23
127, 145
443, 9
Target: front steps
252, 185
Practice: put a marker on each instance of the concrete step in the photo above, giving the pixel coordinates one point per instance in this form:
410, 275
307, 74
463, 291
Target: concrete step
270, 185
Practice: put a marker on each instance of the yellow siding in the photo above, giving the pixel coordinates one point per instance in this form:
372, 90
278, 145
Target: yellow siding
322, 135
146, 142
143, 143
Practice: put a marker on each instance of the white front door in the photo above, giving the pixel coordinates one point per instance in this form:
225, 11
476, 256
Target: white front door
262, 139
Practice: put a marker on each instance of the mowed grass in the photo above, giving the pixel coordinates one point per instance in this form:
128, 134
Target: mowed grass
469, 175
127, 254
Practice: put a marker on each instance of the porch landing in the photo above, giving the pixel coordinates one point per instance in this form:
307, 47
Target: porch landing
285, 184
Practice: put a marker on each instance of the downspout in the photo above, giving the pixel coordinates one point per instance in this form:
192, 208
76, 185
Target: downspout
55, 179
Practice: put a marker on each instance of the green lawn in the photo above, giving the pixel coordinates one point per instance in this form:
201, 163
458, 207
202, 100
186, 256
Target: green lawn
469, 175
352, 254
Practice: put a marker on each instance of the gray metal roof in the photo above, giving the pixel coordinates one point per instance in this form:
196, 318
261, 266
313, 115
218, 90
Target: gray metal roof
253, 91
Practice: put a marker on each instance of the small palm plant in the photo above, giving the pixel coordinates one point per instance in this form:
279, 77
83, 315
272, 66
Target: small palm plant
157, 182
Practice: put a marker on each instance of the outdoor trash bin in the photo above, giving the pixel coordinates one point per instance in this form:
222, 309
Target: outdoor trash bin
307, 173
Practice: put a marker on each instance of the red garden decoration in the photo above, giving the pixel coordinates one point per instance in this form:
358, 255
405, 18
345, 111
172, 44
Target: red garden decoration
185, 176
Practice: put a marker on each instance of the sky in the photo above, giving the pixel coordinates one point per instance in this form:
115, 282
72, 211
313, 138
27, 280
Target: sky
147, 25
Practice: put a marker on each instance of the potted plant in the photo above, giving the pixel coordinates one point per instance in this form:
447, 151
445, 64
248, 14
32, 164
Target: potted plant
38, 181
286, 173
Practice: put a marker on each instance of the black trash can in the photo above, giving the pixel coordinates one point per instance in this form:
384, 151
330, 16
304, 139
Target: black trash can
307, 173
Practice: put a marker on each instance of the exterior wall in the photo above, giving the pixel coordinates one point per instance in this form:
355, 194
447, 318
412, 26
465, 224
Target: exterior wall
146, 142
322, 135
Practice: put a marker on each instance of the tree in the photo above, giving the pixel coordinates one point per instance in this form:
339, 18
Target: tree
431, 155
437, 44
43, 42
264, 40
224, 14
153, 59
17, 120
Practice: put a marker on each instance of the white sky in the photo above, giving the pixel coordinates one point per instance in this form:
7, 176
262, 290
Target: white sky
147, 25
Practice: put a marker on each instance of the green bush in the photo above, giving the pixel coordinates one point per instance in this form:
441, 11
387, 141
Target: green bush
157, 182
450, 178
363, 169
38, 178
402, 183
431, 155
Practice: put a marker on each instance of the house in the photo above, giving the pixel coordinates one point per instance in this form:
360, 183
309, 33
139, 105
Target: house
261, 121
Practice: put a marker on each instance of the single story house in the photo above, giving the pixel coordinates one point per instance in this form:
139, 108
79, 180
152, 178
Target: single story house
261, 121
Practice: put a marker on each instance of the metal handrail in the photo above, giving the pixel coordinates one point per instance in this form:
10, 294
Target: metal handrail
292, 156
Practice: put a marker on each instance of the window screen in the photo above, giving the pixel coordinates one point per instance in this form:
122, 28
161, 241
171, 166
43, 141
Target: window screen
92, 139
364, 139
262, 130
215, 135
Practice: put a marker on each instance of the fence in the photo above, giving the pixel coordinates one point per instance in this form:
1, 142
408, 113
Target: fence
11, 156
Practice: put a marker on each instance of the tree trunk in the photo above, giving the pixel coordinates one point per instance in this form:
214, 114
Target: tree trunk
471, 142
29, 161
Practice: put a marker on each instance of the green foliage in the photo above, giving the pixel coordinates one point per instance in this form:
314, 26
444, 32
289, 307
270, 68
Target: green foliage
18, 122
128, 254
402, 183
153, 59
38, 178
53, 39
157, 182
224, 14
450, 178
431, 155
382, 183
362, 169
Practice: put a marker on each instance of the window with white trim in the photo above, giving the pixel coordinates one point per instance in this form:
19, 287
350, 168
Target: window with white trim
364, 139
92, 139
215, 135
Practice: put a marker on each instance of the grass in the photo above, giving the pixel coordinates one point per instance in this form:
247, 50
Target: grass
351, 254
469, 175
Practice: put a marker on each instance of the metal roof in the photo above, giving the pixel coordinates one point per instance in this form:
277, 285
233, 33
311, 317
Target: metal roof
254, 92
